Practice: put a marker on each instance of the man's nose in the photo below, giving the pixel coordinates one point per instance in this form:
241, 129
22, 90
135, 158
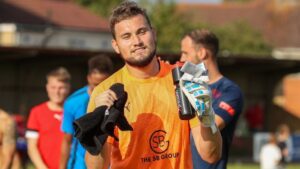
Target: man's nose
57, 90
137, 40
183, 58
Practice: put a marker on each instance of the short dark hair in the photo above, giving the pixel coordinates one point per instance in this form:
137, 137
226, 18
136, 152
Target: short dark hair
100, 63
125, 10
205, 38
61, 73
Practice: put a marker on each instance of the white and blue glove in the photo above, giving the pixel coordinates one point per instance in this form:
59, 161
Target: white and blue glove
194, 85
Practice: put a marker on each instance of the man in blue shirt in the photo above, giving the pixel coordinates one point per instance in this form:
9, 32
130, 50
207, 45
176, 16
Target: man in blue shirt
72, 153
202, 46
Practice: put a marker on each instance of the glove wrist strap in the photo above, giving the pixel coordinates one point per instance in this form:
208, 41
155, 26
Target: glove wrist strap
214, 128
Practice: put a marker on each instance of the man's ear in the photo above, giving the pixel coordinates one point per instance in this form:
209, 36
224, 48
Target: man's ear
115, 46
47, 87
88, 78
202, 53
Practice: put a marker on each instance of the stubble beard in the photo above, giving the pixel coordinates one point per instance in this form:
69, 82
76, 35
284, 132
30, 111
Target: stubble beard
143, 62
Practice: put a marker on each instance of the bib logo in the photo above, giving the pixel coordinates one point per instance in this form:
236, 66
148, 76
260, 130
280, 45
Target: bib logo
157, 141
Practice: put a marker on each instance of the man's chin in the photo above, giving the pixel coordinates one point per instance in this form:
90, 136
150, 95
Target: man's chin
58, 101
145, 61
138, 63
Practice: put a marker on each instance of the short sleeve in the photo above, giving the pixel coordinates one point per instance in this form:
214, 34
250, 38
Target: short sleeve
229, 104
33, 123
68, 118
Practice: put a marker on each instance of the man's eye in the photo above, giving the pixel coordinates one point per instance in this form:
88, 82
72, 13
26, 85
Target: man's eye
142, 31
126, 36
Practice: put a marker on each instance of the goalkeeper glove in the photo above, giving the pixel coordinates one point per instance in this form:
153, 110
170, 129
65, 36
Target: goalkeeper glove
199, 95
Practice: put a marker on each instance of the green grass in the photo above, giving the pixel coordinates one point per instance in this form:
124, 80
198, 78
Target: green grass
234, 166
256, 166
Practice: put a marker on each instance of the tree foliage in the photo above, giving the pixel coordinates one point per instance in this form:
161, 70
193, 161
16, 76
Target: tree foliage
101, 7
238, 38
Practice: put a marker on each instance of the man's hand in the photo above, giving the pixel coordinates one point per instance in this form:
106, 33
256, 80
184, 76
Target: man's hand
106, 98
200, 97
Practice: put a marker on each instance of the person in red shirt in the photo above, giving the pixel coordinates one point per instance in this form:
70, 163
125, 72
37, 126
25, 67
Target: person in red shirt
43, 128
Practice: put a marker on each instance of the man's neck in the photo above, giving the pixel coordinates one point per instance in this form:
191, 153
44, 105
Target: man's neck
213, 72
148, 71
90, 90
54, 106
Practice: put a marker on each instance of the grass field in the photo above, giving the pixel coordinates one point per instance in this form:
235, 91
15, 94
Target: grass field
239, 166
256, 166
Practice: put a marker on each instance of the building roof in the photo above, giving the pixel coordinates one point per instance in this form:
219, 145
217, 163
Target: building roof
50, 12
279, 24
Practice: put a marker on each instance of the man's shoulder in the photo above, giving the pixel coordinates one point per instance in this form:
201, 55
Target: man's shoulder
227, 84
78, 95
117, 77
41, 106
5, 119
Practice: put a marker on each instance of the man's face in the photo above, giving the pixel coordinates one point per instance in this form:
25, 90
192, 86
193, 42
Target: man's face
57, 91
135, 41
94, 78
188, 51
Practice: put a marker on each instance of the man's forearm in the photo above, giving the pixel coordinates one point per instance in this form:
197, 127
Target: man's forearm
209, 145
65, 151
36, 159
9, 143
93, 162
8, 151
35, 155
100, 161
6, 161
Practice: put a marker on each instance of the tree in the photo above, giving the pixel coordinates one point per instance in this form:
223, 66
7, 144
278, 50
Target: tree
100, 7
240, 38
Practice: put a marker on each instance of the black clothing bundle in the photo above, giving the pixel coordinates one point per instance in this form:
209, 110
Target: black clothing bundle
93, 128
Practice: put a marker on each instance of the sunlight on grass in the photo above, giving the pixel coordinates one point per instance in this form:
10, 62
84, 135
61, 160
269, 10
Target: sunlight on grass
256, 166
234, 166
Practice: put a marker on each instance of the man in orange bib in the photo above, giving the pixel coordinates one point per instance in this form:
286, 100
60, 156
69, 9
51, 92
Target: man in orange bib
159, 138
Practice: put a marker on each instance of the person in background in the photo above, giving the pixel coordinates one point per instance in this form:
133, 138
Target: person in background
21, 158
254, 115
43, 127
159, 139
270, 154
7, 140
199, 46
283, 134
72, 153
